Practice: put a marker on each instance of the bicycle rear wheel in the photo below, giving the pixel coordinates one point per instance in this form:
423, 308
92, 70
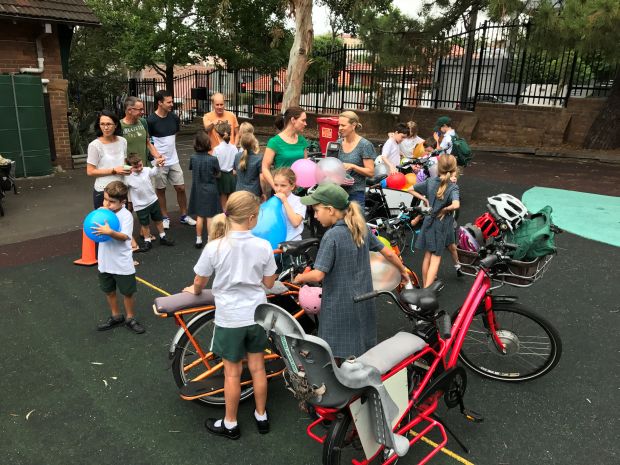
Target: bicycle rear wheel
533, 345
186, 356
342, 444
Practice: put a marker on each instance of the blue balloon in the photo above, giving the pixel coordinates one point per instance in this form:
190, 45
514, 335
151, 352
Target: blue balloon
271, 224
384, 183
100, 216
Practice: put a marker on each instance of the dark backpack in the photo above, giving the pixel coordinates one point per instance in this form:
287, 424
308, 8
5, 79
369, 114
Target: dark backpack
534, 237
461, 150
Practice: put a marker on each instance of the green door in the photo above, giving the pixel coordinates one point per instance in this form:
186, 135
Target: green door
23, 128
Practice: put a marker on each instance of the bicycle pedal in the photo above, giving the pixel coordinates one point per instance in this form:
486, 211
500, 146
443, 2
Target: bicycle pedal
472, 416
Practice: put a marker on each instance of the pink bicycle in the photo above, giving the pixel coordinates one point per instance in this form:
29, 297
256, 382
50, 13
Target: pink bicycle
382, 403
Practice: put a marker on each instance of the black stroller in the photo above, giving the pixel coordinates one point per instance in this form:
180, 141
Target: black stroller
7, 181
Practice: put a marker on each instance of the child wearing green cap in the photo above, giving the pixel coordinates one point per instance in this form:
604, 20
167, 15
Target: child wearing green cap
343, 266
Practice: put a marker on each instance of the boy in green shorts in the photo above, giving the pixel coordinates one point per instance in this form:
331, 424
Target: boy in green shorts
144, 200
115, 261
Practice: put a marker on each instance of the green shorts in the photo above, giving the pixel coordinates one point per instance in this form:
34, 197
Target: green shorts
233, 343
152, 212
126, 283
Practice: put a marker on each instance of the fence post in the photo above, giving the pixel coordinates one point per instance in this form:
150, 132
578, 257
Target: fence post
372, 83
344, 77
480, 62
527, 35
402, 89
469, 54
570, 78
273, 107
438, 81
253, 91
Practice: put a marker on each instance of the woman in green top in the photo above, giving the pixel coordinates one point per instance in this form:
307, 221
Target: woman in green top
289, 145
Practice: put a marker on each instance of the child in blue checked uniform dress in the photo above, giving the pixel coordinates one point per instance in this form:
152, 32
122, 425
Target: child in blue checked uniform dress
343, 266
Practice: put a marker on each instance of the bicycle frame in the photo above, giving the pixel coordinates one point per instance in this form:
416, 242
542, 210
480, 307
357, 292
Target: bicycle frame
444, 352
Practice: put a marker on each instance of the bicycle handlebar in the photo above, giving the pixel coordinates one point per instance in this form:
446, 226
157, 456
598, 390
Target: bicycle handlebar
367, 296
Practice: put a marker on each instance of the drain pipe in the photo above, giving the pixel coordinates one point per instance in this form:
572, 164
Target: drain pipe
40, 59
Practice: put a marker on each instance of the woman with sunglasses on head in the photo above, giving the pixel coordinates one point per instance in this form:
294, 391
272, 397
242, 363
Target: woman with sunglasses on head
106, 155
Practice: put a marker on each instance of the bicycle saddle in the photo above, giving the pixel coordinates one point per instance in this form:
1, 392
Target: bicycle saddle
298, 247
375, 180
171, 304
424, 299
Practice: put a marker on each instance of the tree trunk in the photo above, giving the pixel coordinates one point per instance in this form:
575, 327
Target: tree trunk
300, 51
604, 134
170, 78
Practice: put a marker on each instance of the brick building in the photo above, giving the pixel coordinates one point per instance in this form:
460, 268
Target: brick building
36, 40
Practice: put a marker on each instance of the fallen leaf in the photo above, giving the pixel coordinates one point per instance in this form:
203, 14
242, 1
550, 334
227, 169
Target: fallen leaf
96, 363
29, 413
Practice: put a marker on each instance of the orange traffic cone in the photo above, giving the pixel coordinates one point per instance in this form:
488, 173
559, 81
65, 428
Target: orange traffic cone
89, 256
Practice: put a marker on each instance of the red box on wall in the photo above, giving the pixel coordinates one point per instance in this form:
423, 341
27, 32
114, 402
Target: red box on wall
328, 131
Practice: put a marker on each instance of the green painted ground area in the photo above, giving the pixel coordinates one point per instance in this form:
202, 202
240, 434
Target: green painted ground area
592, 216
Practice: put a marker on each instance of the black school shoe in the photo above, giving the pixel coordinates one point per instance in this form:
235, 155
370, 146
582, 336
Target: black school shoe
165, 241
262, 425
111, 323
133, 325
234, 433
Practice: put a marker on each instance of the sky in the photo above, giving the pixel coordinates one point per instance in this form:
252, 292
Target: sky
321, 25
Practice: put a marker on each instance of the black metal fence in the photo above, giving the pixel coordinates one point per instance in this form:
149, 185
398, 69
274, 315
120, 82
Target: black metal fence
493, 63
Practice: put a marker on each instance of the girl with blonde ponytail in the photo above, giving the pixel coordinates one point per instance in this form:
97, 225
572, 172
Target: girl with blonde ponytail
343, 266
248, 165
242, 263
441, 193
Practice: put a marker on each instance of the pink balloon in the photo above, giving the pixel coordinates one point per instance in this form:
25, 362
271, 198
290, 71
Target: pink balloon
305, 170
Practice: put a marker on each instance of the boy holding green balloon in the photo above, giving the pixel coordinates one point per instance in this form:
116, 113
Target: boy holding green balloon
115, 260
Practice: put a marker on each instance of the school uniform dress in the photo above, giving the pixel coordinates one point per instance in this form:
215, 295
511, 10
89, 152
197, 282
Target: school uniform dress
204, 198
249, 179
349, 328
436, 234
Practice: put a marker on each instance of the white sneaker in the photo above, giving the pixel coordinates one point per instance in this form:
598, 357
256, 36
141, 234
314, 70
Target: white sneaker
188, 220
166, 222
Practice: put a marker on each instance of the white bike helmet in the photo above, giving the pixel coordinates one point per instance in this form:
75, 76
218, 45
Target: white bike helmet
509, 208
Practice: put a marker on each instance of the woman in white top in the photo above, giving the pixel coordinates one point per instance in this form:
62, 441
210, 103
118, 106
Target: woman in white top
106, 155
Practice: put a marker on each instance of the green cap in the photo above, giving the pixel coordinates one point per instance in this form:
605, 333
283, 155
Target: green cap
442, 121
328, 194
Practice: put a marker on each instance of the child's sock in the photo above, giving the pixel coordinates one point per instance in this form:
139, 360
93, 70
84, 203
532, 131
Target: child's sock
262, 417
162, 235
198, 240
147, 239
228, 425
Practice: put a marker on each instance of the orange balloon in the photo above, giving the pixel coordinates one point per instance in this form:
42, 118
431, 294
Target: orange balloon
411, 178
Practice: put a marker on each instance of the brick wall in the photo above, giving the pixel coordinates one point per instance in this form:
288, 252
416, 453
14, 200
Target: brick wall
18, 50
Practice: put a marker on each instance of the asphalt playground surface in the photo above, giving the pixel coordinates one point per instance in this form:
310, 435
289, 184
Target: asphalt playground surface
71, 395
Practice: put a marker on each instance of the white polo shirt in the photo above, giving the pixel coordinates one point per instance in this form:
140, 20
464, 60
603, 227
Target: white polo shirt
239, 261
391, 151
446, 142
115, 257
141, 190
292, 233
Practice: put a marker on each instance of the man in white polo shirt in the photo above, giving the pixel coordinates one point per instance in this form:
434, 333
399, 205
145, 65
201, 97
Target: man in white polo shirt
163, 126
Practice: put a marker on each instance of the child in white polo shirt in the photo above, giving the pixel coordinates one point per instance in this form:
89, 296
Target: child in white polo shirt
145, 201
115, 262
242, 263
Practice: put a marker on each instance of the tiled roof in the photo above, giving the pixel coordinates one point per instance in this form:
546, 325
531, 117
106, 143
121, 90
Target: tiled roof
70, 11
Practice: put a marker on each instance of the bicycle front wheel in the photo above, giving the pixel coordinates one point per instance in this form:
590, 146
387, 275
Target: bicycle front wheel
532, 345
186, 363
